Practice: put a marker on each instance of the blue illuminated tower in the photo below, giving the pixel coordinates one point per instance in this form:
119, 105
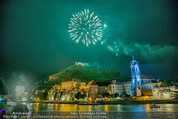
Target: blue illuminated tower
135, 78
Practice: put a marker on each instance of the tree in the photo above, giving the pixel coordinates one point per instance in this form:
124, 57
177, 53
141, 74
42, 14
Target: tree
42, 95
125, 78
116, 95
176, 79
46, 84
4, 86
166, 83
78, 95
105, 95
125, 95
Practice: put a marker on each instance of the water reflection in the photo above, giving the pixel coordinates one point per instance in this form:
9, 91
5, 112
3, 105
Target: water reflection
137, 108
67, 107
89, 108
148, 107
36, 106
108, 108
112, 111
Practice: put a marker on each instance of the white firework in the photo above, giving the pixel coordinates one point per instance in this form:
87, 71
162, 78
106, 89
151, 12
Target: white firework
85, 27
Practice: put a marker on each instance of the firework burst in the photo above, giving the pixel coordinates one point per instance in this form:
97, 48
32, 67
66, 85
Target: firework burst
85, 27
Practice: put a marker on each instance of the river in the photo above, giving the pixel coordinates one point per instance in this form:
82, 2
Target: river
108, 111
74, 111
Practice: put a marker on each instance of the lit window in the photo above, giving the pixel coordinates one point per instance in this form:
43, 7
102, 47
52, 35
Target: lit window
138, 78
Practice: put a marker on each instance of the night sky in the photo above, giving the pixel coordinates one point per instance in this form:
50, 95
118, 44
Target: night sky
34, 36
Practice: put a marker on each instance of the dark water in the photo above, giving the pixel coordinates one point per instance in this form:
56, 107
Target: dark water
165, 111
108, 108
74, 111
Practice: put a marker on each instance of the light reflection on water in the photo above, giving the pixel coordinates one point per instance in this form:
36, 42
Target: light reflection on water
112, 111
109, 108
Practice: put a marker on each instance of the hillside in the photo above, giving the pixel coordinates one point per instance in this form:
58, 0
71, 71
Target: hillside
82, 73
85, 74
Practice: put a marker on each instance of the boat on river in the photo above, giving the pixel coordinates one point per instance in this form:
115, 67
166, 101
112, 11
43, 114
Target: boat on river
155, 106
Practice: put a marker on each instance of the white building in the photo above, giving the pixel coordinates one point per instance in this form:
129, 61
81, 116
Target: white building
120, 89
124, 88
149, 82
127, 88
113, 89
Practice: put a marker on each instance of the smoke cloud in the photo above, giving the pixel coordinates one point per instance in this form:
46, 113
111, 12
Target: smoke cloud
146, 51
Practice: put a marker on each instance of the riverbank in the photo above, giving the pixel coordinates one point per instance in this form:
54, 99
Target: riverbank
122, 102
128, 102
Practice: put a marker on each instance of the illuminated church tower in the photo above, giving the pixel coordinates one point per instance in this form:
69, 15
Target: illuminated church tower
135, 78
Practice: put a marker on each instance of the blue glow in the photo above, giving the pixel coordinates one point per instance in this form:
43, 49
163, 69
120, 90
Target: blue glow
24, 103
135, 75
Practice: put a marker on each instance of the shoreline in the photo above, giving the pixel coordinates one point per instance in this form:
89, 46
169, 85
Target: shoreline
121, 102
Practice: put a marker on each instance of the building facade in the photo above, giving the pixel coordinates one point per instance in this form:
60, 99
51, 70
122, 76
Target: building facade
103, 87
124, 88
113, 88
69, 85
120, 89
149, 82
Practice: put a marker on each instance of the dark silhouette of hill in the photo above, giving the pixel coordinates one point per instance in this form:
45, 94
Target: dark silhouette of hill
81, 73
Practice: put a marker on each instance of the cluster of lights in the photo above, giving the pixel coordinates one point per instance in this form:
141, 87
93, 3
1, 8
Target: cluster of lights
87, 27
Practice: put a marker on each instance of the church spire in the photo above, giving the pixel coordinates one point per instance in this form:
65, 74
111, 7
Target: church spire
133, 58
135, 78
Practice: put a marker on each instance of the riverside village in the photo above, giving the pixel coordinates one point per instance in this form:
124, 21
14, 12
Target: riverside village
140, 88
81, 84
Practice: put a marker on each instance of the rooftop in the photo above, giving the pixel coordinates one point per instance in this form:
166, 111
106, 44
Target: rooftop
103, 83
146, 81
143, 76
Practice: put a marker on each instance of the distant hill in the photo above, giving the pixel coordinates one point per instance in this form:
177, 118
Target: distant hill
84, 73
80, 72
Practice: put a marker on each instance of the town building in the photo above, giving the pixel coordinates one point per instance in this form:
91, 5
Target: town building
141, 87
165, 92
113, 88
149, 82
82, 85
124, 88
103, 87
120, 89
127, 88
69, 85
92, 90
